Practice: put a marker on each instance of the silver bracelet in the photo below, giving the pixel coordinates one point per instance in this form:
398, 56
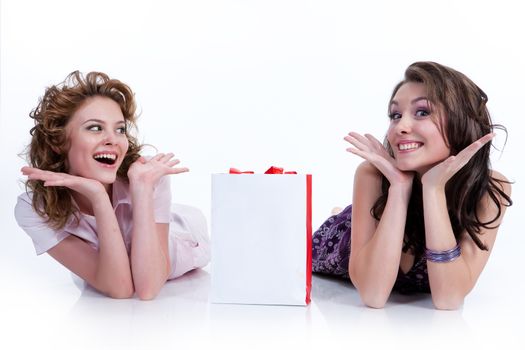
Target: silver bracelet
443, 256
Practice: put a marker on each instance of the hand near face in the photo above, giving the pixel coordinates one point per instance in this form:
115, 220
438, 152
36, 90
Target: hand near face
87, 187
370, 149
149, 171
439, 175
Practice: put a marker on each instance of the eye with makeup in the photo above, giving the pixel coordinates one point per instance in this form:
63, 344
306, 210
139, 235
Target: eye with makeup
422, 108
97, 127
422, 112
394, 115
94, 127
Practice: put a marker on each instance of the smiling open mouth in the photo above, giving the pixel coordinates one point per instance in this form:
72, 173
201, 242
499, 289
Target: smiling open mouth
105, 158
409, 146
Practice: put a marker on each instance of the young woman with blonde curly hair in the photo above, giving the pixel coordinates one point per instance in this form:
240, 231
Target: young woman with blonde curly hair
94, 203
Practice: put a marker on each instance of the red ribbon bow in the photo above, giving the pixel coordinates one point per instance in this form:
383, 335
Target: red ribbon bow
271, 170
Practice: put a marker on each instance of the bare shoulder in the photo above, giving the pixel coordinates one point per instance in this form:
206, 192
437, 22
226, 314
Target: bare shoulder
503, 182
488, 208
367, 182
366, 170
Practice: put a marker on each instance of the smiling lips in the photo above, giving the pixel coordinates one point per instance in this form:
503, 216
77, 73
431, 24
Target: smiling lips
409, 146
106, 158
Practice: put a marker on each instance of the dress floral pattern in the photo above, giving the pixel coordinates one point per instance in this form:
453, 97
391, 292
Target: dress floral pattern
331, 254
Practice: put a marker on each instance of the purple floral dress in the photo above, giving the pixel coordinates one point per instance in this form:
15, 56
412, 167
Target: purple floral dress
331, 253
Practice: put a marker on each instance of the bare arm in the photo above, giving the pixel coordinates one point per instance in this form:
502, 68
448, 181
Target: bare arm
451, 282
376, 246
107, 269
149, 248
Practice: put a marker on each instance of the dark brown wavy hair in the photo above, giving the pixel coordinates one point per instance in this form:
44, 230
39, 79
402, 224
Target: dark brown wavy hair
464, 118
49, 146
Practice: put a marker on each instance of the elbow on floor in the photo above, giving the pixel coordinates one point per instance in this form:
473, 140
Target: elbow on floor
122, 293
375, 301
447, 303
145, 294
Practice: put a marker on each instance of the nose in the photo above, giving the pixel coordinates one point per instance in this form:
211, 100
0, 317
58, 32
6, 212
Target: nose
404, 125
110, 138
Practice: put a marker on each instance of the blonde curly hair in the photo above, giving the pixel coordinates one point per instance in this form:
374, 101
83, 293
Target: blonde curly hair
49, 145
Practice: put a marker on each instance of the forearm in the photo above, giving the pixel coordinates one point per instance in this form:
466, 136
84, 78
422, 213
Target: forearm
113, 274
149, 262
375, 267
449, 281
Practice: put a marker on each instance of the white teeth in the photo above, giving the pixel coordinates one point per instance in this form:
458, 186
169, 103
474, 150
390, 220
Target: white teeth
105, 155
407, 146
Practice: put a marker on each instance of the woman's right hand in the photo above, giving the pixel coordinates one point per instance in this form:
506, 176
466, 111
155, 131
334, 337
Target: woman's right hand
370, 149
87, 187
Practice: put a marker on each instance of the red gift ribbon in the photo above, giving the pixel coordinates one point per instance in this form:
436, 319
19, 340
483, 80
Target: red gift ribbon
237, 171
277, 170
271, 170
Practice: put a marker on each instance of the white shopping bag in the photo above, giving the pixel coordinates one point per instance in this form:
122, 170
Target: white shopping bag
261, 239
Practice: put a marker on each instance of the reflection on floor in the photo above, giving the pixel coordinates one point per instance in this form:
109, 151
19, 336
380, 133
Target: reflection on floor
54, 310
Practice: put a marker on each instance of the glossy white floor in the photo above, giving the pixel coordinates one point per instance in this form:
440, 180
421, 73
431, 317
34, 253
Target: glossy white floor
43, 306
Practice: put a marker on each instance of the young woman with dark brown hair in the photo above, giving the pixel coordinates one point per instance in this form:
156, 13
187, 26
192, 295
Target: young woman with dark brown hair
426, 205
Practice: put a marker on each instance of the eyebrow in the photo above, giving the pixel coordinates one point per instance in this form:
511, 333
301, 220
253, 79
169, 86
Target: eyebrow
417, 99
102, 121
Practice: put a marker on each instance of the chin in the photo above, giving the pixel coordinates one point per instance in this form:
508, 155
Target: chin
405, 167
107, 181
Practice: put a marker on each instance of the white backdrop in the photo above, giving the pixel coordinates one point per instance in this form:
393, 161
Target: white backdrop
250, 84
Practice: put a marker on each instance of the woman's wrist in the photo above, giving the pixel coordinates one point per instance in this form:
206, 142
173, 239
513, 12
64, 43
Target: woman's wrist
140, 188
443, 256
432, 190
100, 201
95, 192
402, 190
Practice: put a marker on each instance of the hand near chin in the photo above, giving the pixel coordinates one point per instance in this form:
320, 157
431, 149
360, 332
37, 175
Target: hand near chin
439, 175
370, 149
149, 171
87, 187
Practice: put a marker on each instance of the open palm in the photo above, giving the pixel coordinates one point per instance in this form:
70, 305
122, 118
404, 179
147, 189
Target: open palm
87, 187
149, 171
370, 149
439, 175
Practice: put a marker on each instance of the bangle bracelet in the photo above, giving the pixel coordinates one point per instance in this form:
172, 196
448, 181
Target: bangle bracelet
443, 256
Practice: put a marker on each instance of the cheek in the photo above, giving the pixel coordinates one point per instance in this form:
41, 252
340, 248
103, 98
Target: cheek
73, 153
125, 145
75, 161
440, 147
445, 150
390, 135
432, 132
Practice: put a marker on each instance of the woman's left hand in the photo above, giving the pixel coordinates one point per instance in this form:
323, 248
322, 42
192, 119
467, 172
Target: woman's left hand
149, 171
439, 175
